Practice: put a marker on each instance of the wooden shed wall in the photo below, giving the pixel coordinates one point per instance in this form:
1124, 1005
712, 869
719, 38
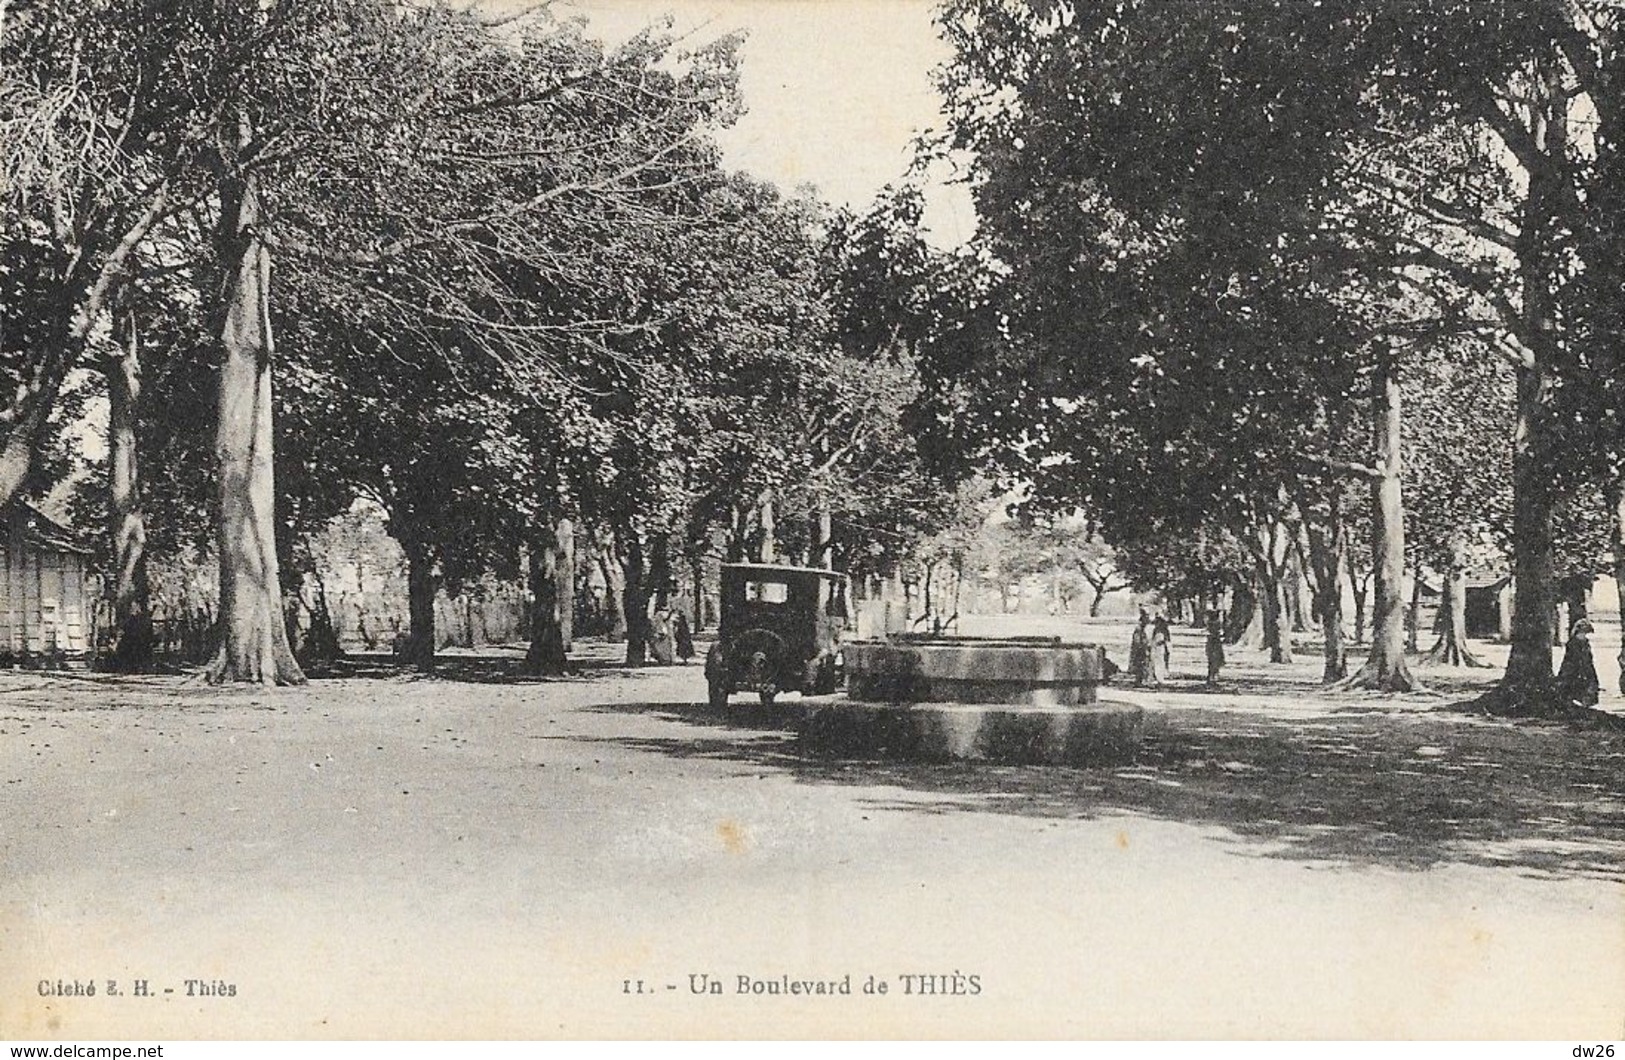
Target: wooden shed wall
44, 602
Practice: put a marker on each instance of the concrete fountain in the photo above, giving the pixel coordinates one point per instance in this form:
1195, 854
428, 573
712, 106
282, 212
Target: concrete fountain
1020, 700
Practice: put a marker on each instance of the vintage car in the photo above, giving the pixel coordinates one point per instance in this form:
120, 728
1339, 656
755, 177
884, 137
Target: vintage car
779, 631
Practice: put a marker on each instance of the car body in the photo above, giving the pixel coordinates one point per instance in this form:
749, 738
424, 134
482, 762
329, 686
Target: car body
779, 631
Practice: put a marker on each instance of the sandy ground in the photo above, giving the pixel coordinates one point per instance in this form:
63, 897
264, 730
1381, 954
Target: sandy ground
472, 856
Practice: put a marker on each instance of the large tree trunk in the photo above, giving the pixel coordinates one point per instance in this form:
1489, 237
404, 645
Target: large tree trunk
1617, 498
421, 588
565, 575
1252, 635
1270, 576
662, 584
1413, 613
1310, 581
614, 596
1527, 685
1452, 650
1339, 582
1358, 591
767, 547
1385, 668
133, 642
822, 553
1242, 614
1292, 583
1528, 678
253, 638
697, 573
546, 653
1529, 665
737, 548
1326, 557
635, 600
1274, 613
322, 644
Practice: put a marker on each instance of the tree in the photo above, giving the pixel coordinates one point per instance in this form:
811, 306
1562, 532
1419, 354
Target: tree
1458, 476
1514, 77
888, 469
1419, 150
1097, 561
132, 612
1068, 544
1161, 262
152, 492
404, 149
82, 105
1385, 667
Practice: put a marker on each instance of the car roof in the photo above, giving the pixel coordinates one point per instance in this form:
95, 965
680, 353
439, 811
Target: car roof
780, 568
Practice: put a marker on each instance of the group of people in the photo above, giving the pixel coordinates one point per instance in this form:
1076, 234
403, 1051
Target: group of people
1149, 654
670, 638
1150, 650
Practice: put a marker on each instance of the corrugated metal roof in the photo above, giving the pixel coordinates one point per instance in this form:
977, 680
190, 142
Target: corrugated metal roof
42, 532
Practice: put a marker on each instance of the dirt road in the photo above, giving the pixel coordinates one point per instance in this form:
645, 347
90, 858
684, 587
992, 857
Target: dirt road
384, 856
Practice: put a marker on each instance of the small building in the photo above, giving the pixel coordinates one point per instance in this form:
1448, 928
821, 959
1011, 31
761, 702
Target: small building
45, 600
1489, 607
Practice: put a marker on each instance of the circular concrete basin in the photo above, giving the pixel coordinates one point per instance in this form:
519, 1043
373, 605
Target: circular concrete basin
1029, 701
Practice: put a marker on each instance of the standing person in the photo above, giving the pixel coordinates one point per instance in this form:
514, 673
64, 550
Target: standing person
1139, 651
683, 636
1160, 637
1577, 676
662, 644
1215, 646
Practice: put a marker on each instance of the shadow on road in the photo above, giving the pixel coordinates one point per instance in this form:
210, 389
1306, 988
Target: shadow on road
486, 667
1396, 791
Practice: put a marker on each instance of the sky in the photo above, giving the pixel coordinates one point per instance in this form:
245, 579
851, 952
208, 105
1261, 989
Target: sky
835, 91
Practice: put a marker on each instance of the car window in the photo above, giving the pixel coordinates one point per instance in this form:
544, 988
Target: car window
766, 592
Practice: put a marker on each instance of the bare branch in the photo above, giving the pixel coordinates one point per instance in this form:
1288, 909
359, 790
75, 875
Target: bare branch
1365, 471
1476, 280
1429, 206
1486, 105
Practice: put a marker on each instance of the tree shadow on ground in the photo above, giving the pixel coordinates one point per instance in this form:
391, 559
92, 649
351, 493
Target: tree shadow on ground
1231, 684
1454, 681
783, 717
1404, 792
507, 668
